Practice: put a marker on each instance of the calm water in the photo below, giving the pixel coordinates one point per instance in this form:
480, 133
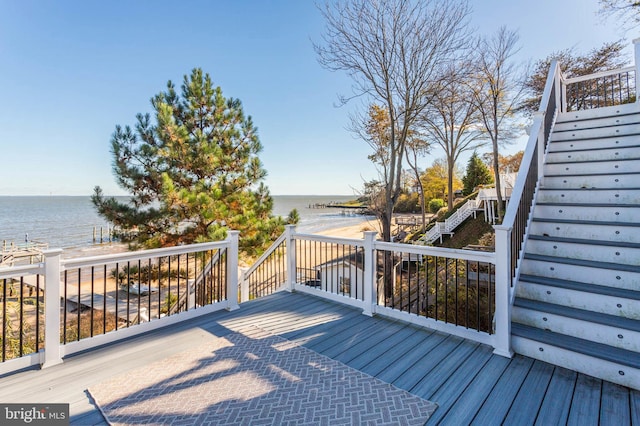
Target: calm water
68, 222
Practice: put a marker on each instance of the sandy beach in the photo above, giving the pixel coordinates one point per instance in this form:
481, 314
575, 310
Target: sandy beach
353, 231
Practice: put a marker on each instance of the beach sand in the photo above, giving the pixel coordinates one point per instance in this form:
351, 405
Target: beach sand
353, 231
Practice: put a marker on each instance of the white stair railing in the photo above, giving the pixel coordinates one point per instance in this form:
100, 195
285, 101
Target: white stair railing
440, 228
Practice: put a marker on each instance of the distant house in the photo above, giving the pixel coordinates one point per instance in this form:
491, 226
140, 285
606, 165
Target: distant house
346, 273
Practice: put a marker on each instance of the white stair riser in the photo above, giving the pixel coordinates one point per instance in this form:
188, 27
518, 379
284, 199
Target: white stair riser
592, 181
626, 234
574, 361
579, 134
624, 166
585, 274
594, 332
605, 214
627, 308
615, 142
596, 122
621, 255
594, 155
594, 113
609, 196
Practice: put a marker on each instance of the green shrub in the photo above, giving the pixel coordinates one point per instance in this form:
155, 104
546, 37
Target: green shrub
435, 205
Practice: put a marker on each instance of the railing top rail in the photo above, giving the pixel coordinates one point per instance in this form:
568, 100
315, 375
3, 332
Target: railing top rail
554, 73
534, 132
329, 239
597, 75
472, 255
18, 271
141, 255
518, 188
266, 254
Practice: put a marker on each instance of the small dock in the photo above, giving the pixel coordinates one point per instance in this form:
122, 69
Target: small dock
348, 209
12, 253
411, 223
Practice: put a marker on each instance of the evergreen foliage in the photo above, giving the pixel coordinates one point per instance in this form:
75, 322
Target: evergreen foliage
192, 171
477, 174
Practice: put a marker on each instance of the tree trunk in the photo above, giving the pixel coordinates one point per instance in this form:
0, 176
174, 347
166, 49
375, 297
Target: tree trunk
387, 256
496, 171
423, 208
450, 167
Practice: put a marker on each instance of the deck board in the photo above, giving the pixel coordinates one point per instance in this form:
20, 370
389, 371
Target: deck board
613, 408
466, 380
635, 407
557, 401
468, 403
585, 406
498, 403
440, 373
526, 405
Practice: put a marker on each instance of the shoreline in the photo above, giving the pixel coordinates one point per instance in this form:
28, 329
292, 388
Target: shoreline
354, 231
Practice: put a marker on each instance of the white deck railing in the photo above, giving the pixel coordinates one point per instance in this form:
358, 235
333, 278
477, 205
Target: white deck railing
406, 282
62, 306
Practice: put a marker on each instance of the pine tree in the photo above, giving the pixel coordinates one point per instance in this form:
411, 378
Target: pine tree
192, 171
477, 174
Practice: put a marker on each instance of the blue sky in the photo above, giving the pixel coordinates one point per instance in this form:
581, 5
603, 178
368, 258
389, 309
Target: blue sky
71, 70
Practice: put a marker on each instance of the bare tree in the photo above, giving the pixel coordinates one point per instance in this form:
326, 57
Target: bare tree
498, 94
626, 12
417, 146
394, 51
451, 120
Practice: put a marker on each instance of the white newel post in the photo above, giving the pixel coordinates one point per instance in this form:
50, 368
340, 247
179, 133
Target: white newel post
502, 316
370, 290
244, 286
561, 89
539, 117
290, 230
52, 293
636, 54
232, 270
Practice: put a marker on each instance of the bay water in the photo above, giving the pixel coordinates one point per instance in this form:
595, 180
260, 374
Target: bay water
68, 221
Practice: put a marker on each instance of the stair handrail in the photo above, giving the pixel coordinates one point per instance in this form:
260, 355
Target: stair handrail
193, 284
265, 255
518, 212
510, 235
459, 216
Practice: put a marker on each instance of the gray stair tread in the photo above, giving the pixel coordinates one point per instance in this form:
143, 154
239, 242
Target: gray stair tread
562, 120
592, 161
546, 188
591, 174
587, 204
559, 151
569, 117
579, 314
581, 262
578, 286
585, 241
574, 344
586, 222
588, 138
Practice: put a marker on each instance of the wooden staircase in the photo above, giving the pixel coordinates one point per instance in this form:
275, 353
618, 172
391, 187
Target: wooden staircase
577, 301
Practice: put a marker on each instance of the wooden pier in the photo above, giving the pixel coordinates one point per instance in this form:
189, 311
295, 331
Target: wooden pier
12, 253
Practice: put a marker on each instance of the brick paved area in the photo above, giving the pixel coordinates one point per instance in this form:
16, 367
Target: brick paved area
255, 378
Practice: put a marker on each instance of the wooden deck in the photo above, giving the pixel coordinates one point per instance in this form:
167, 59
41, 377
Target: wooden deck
468, 382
